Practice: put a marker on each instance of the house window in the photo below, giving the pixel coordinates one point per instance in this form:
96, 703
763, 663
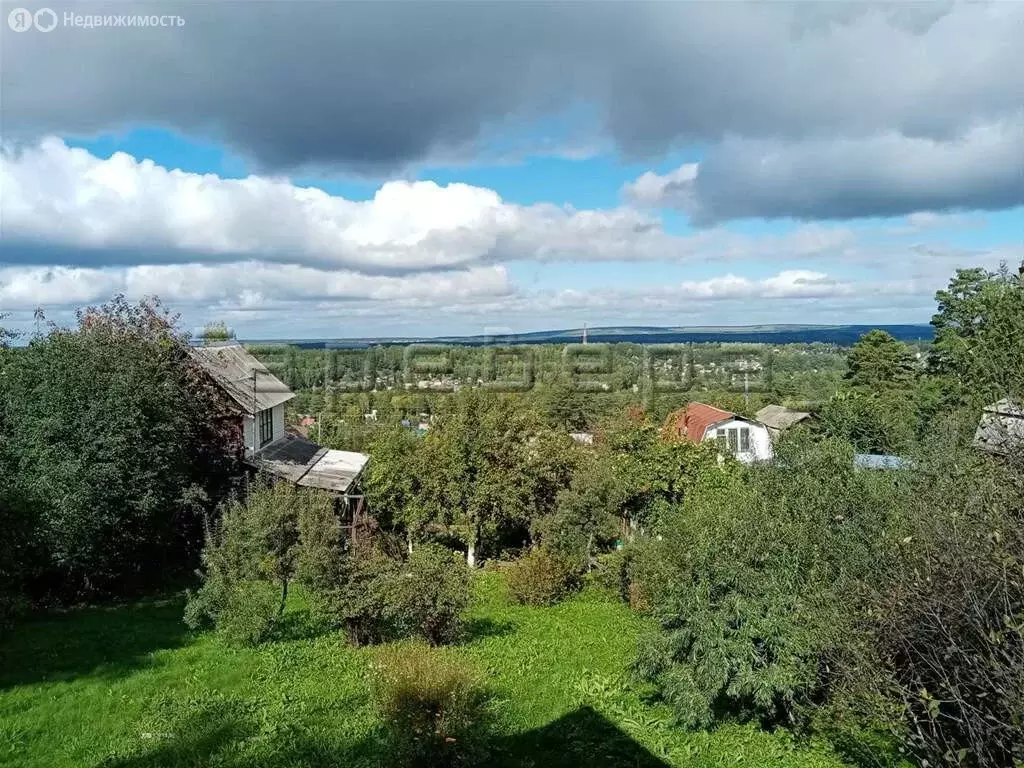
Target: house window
266, 426
734, 439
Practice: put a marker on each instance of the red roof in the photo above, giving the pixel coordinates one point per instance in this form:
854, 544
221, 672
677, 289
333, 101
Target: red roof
698, 417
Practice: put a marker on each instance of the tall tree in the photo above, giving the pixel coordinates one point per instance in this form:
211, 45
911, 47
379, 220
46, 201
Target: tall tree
979, 332
878, 360
482, 468
217, 332
115, 440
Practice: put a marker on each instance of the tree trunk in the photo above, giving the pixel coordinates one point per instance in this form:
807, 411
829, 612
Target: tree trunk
408, 540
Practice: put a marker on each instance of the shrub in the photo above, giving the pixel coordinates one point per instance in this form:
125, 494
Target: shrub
432, 594
540, 577
250, 613
252, 551
433, 705
375, 598
610, 573
754, 591
950, 623
359, 597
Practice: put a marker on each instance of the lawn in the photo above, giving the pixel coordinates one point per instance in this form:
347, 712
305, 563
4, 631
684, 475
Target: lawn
131, 687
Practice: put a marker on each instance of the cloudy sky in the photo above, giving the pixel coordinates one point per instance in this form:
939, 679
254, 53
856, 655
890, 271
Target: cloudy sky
311, 169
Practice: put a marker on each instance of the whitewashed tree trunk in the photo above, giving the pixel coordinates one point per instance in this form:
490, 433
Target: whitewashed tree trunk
471, 555
408, 539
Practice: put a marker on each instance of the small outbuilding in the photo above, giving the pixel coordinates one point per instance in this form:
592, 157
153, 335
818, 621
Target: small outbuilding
259, 398
778, 418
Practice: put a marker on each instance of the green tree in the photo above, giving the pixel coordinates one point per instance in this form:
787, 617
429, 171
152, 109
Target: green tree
256, 547
754, 583
119, 448
873, 422
979, 332
481, 469
877, 360
391, 480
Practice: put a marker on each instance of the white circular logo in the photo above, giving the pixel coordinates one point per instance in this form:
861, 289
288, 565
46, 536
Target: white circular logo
45, 20
20, 20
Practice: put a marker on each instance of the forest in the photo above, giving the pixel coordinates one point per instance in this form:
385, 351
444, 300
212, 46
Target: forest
517, 596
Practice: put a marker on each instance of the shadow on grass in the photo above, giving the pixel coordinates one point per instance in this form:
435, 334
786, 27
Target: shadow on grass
225, 735
89, 641
583, 737
480, 627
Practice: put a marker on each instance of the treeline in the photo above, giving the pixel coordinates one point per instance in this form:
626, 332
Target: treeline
332, 376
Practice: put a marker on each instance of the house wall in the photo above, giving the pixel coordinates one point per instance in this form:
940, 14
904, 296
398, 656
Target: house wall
250, 429
760, 440
278, 422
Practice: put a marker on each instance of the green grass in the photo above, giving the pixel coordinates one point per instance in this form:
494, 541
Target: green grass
130, 687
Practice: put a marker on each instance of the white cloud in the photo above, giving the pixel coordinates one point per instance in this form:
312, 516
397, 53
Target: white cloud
242, 285
94, 211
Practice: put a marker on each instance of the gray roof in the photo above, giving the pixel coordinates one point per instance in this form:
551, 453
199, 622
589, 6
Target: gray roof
1001, 428
305, 463
242, 376
779, 417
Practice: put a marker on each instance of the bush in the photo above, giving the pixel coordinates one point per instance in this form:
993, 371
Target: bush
433, 706
375, 598
359, 597
250, 613
540, 577
251, 553
950, 623
433, 593
754, 584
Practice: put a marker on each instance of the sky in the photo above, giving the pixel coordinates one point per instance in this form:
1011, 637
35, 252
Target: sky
313, 169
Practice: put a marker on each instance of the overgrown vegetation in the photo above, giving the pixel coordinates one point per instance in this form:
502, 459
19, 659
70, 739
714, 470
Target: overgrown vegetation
114, 450
433, 705
880, 610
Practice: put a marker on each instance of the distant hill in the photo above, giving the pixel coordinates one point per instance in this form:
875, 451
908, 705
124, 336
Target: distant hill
844, 335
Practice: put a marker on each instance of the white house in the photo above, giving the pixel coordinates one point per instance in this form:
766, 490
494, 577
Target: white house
746, 439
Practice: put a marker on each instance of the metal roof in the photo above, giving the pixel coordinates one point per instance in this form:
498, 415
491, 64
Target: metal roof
248, 381
779, 417
305, 463
698, 418
1001, 428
